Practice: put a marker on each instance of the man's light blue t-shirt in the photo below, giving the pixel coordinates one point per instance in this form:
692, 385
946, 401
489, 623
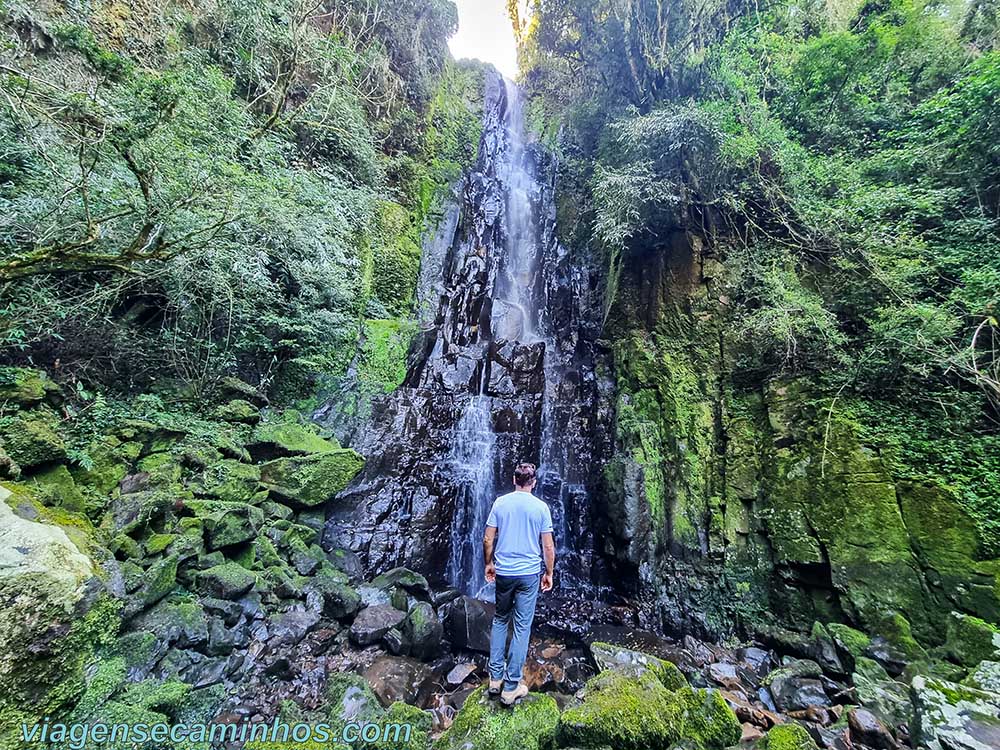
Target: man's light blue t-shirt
519, 518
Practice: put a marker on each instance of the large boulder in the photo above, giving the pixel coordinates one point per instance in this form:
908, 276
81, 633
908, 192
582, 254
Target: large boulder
637, 713
307, 481
635, 664
483, 724
31, 440
227, 480
227, 523
972, 640
422, 631
372, 623
468, 622
226, 581
51, 617
272, 440
986, 676
397, 678
949, 716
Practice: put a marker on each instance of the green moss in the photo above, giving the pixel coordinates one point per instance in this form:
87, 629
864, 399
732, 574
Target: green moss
971, 640
24, 387
32, 440
157, 543
483, 724
896, 629
311, 480
55, 487
401, 714
635, 713
159, 580
238, 411
852, 641
292, 438
227, 480
788, 737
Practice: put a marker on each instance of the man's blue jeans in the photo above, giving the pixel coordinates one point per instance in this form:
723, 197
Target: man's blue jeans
515, 598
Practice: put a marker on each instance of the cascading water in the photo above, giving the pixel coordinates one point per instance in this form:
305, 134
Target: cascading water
503, 371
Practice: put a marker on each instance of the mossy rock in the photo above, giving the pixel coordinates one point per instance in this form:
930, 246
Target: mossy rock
233, 388
227, 523
403, 719
160, 580
57, 624
484, 724
639, 713
157, 543
226, 581
788, 737
971, 640
634, 663
32, 440
311, 480
25, 387
849, 640
949, 715
282, 439
55, 487
227, 480
110, 461
238, 411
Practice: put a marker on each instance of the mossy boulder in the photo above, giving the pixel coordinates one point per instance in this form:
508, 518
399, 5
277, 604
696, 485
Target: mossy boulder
340, 600
226, 523
788, 737
159, 580
986, 676
971, 640
483, 724
639, 713
227, 480
408, 728
286, 438
238, 411
948, 715
178, 620
25, 387
311, 480
226, 581
636, 663
850, 642
231, 388
31, 440
110, 462
55, 487
52, 611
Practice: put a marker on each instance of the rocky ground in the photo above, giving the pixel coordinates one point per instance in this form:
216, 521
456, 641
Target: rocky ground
176, 574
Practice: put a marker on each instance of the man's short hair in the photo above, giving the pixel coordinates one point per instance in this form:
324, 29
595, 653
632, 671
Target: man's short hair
524, 474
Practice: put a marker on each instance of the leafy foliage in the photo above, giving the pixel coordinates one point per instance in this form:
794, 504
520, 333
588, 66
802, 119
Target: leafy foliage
219, 187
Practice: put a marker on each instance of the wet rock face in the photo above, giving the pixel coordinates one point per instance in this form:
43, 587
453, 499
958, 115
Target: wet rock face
503, 371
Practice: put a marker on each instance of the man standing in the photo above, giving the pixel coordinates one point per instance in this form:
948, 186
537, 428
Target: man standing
518, 533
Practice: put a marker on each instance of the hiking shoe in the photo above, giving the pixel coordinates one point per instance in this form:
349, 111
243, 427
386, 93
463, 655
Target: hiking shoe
510, 697
496, 686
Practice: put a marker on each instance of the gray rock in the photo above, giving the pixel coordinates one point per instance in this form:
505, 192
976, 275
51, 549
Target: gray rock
467, 623
373, 623
880, 694
227, 581
423, 631
985, 677
868, 730
949, 716
397, 678
797, 693
291, 626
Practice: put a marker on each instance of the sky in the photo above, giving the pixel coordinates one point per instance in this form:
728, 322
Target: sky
484, 32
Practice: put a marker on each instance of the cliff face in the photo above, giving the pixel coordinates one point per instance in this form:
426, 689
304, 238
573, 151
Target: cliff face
731, 506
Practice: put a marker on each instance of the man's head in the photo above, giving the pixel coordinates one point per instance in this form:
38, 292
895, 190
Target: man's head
524, 476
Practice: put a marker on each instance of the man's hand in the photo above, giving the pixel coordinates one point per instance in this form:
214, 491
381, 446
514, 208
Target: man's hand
546, 581
491, 572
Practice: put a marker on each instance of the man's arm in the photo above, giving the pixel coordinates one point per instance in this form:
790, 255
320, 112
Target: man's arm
549, 553
489, 538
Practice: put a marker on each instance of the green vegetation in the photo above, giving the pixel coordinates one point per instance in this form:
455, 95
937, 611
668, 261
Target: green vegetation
223, 187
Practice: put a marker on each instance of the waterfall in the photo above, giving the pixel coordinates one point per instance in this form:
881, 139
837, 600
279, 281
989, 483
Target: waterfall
502, 371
